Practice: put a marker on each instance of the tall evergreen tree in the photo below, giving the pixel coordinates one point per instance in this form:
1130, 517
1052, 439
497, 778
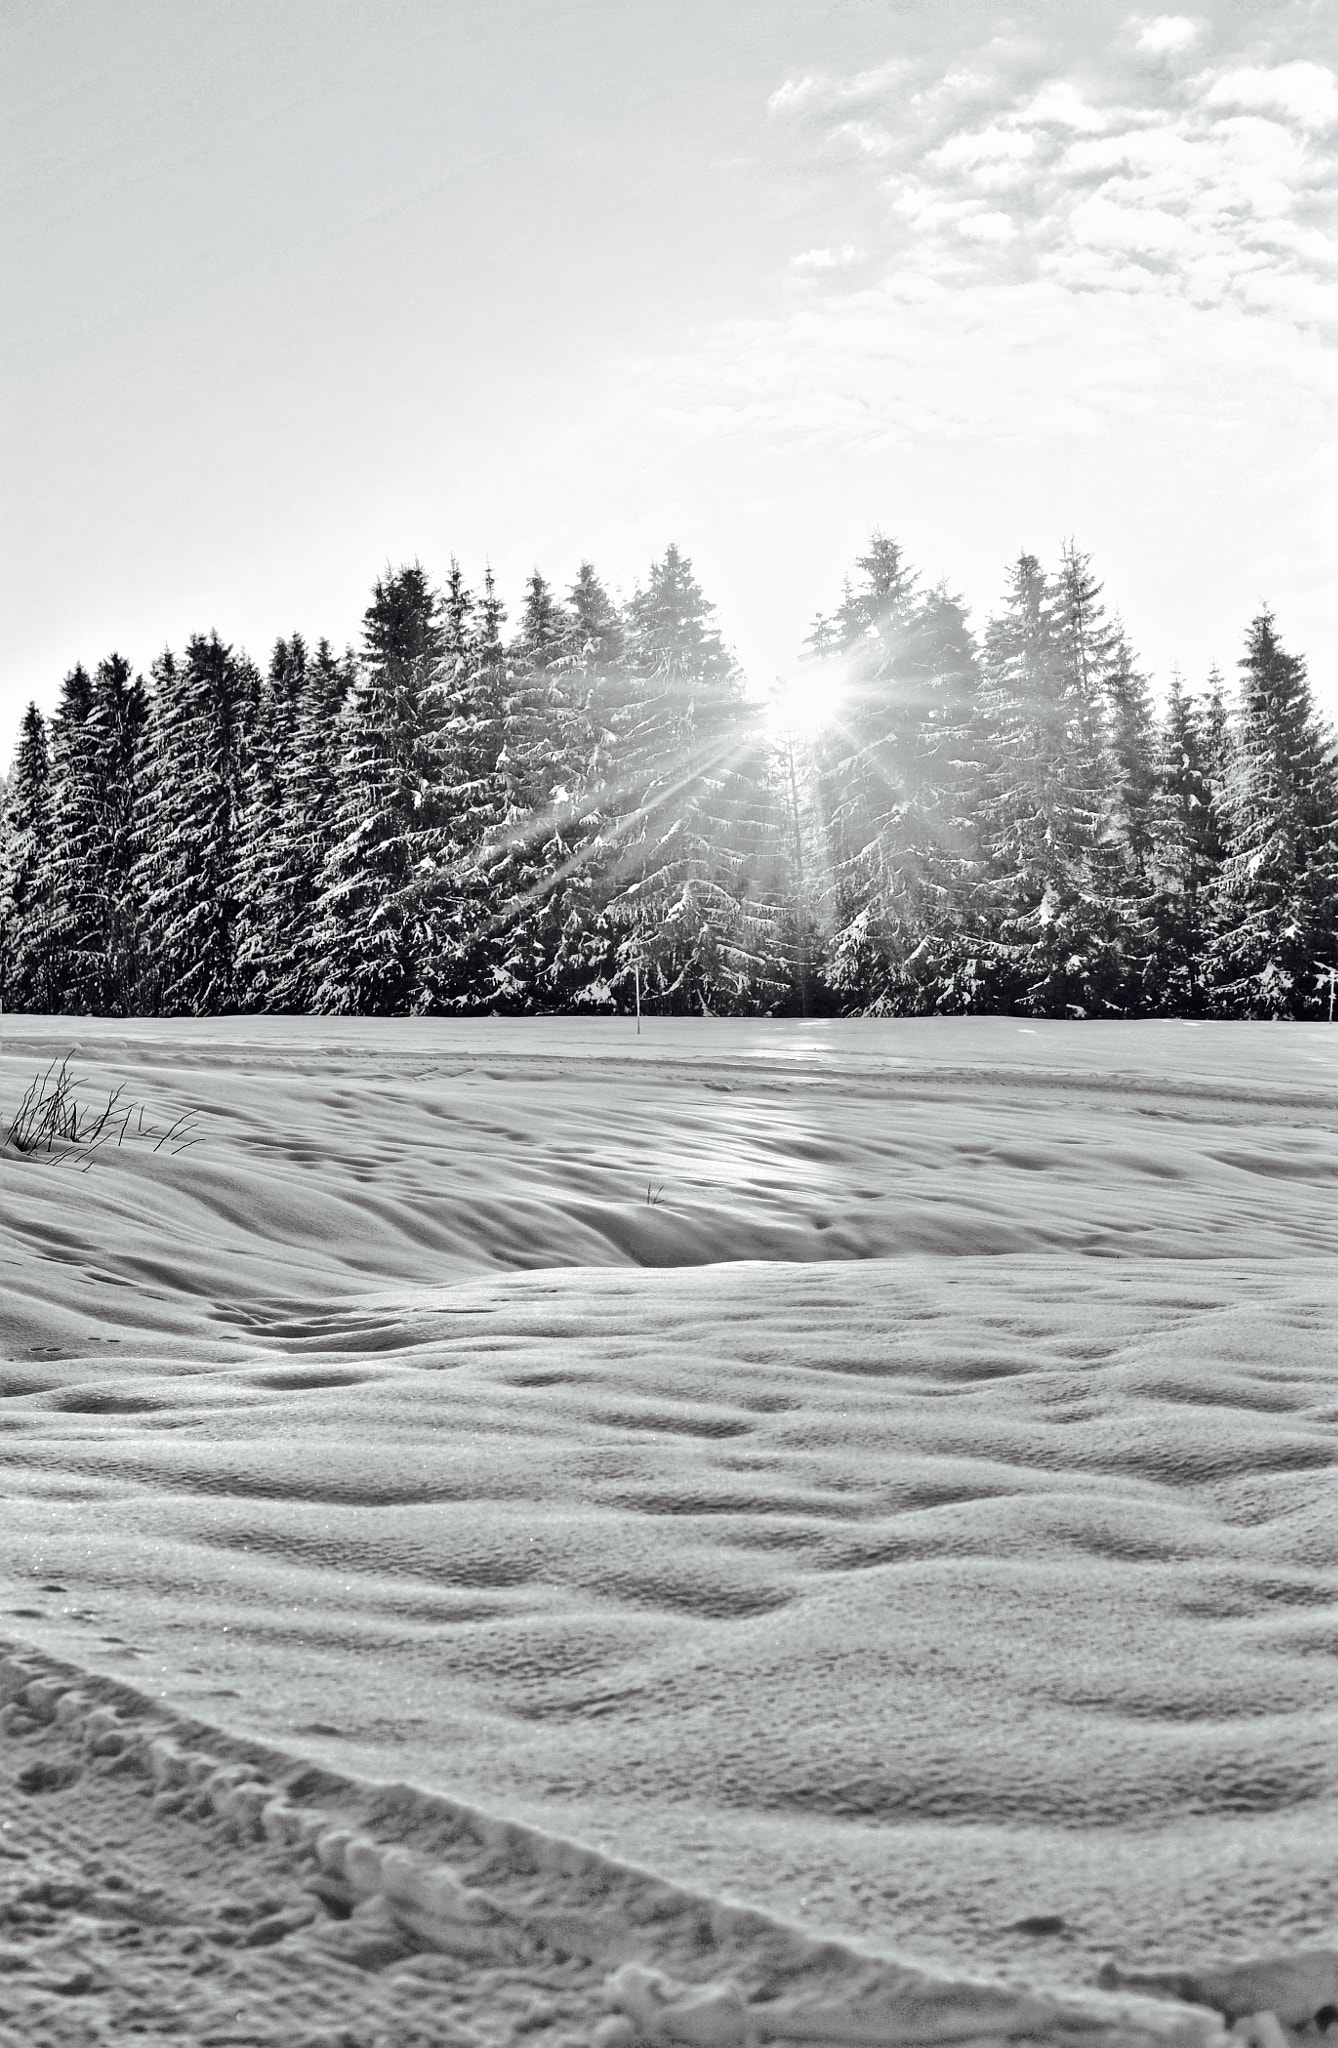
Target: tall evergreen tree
1279, 891
696, 824
799, 855
309, 822
865, 775
117, 724
898, 787
375, 922
475, 687
193, 796
1187, 852
268, 860
27, 892
535, 761
1060, 925
76, 851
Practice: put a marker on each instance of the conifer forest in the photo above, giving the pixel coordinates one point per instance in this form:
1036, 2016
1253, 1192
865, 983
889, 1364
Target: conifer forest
545, 814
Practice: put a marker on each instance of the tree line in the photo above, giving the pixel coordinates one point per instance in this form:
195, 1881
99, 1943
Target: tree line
456, 819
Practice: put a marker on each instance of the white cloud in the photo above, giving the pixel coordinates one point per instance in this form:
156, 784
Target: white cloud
1220, 187
1166, 35
863, 135
793, 94
1060, 104
987, 146
1302, 92
986, 227
826, 259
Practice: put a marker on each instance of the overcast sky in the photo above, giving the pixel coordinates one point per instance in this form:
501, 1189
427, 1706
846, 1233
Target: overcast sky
295, 288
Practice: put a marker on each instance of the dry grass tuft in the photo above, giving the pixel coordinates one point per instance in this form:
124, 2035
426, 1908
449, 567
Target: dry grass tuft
53, 1126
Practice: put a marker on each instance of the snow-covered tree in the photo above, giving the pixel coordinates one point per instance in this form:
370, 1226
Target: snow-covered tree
1060, 927
518, 861
1187, 852
865, 774
26, 885
898, 786
474, 804
193, 794
309, 822
76, 911
117, 723
265, 854
1279, 882
375, 923
589, 800
690, 849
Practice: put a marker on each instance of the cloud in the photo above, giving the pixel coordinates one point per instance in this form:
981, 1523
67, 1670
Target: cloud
826, 259
1220, 186
1058, 241
1166, 35
1301, 92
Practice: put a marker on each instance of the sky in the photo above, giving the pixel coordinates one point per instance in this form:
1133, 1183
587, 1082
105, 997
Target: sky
296, 289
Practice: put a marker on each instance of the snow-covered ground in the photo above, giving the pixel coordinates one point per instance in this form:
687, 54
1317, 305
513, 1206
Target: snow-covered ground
879, 1471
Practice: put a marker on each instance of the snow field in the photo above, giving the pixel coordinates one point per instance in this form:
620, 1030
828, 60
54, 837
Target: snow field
295, 1866
879, 1472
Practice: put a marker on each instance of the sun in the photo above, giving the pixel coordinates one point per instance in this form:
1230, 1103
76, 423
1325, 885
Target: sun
804, 703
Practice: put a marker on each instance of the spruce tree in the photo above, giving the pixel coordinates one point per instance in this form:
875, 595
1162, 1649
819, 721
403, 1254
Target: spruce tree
116, 727
1279, 881
1059, 926
266, 856
865, 777
583, 966
309, 822
76, 851
26, 882
1187, 853
196, 761
898, 789
799, 860
474, 692
536, 760
696, 818
375, 924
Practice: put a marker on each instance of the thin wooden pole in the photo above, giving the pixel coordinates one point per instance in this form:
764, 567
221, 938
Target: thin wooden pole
637, 971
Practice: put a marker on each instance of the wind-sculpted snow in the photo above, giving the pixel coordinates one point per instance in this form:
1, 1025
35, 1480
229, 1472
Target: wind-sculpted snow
881, 1472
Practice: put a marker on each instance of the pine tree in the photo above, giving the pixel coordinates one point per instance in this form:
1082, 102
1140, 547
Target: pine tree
1132, 741
697, 821
520, 865
583, 966
1060, 927
1279, 885
865, 774
898, 786
1187, 853
95, 739
266, 855
941, 826
196, 758
375, 927
116, 727
26, 883
474, 691
76, 851
309, 823
799, 858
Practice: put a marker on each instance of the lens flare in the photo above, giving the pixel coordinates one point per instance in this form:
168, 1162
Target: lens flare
806, 702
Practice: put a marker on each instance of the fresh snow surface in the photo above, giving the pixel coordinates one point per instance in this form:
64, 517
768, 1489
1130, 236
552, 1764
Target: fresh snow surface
883, 1472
